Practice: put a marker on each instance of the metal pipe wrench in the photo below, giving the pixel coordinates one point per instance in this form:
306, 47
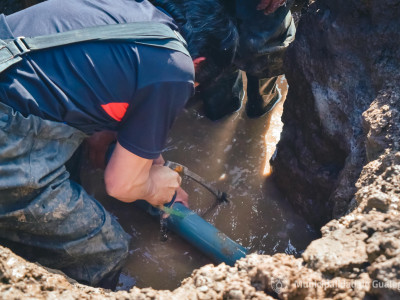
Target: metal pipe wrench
184, 171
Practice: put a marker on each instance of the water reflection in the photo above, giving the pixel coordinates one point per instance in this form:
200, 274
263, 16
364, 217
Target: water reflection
274, 129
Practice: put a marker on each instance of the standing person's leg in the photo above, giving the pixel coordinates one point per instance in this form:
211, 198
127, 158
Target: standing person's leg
43, 215
263, 95
223, 96
263, 42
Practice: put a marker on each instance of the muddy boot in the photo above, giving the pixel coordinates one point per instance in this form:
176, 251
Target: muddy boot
262, 95
224, 96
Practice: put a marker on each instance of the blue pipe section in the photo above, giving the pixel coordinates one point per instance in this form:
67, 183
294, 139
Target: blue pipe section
204, 236
198, 232
194, 229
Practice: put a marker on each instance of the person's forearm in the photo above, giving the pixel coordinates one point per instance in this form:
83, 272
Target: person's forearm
155, 189
129, 189
129, 177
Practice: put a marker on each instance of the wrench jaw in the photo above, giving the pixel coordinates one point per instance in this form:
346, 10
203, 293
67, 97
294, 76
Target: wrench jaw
180, 169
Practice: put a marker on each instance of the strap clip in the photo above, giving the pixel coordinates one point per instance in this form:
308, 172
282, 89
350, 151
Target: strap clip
21, 45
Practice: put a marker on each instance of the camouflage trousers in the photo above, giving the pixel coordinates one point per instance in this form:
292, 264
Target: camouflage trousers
263, 43
46, 217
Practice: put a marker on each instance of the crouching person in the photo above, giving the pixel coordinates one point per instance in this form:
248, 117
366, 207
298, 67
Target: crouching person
58, 89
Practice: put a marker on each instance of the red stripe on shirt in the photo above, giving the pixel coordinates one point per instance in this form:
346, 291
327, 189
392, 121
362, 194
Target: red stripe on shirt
116, 110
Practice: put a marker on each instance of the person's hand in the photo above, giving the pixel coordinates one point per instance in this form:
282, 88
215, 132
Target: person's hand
97, 146
182, 197
270, 6
163, 184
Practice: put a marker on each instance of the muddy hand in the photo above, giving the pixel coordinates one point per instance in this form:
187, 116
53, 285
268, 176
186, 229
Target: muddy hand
164, 184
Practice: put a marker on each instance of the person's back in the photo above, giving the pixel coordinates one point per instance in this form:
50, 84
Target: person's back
79, 84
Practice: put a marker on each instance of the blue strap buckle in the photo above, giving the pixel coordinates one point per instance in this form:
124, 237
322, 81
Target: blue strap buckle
21, 45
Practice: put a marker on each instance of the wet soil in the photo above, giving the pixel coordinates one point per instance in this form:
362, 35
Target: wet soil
234, 154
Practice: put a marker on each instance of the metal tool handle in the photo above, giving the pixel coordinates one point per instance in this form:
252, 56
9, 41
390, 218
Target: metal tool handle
184, 171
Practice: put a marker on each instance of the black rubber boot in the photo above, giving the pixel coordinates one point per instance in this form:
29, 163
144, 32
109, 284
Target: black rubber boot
224, 96
262, 96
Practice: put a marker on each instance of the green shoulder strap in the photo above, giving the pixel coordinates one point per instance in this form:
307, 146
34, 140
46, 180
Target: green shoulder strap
146, 33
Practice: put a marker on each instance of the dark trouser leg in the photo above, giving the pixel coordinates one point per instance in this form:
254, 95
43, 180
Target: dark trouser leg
262, 95
223, 96
263, 42
47, 217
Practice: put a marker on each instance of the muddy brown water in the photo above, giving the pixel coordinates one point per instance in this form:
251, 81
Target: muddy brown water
233, 153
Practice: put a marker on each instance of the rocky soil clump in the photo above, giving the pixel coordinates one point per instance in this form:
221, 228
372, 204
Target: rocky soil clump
340, 152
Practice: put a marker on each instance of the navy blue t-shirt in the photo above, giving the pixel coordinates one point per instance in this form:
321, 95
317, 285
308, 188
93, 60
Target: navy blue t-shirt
135, 89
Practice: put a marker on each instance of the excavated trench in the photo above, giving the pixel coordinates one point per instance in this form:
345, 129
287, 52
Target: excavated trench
233, 154
338, 161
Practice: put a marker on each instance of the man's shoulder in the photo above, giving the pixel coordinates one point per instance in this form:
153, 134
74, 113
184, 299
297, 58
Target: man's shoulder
164, 65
